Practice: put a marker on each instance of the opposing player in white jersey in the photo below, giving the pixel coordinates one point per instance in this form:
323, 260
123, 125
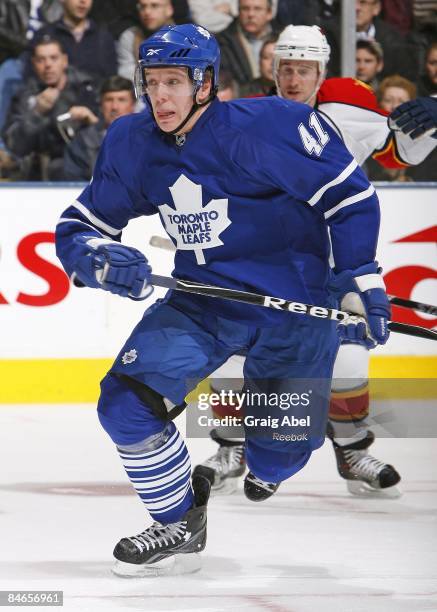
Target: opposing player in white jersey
350, 106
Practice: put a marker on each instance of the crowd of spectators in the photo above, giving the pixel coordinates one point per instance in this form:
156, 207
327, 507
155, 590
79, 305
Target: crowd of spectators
66, 66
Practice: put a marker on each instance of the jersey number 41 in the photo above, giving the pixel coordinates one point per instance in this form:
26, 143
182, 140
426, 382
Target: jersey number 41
314, 144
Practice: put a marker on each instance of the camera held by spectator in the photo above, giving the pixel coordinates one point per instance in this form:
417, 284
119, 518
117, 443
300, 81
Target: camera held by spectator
117, 98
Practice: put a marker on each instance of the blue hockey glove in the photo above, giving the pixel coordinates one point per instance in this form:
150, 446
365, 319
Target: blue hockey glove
362, 292
354, 330
114, 267
416, 117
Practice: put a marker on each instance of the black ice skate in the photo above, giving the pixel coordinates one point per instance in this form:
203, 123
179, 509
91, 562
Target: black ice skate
227, 465
365, 476
257, 490
167, 549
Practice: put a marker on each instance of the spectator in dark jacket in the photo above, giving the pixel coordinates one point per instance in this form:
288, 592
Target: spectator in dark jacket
263, 85
119, 15
19, 19
241, 42
427, 83
425, 18
310, 12
117, 98
18, 24
369, 61
153, 14
89, 47
399, 14
54, 93
370, 26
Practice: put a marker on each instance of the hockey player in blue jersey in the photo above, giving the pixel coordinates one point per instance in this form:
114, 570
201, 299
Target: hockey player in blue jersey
247, 192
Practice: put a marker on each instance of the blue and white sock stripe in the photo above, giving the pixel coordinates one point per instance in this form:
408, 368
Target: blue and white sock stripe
149, 457
164, 501
163, 491
160, 492
162, 484
161, 478
151, 493
158, 510
161, 499
148, 468
158, 481
155, 476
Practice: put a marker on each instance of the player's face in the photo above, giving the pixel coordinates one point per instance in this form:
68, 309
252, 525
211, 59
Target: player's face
114, 104
266, 61
254, 15
431, 66
366, 11
170, 92
49, 64
297, 79
368, 66
154, 13
393, 97
77, 9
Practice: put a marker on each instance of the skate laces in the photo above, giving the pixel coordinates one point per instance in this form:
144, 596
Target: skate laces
225, 459
363, 463
236, 454
158, 535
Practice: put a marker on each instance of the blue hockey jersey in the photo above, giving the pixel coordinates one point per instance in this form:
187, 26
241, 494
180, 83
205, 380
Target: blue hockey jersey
247, 200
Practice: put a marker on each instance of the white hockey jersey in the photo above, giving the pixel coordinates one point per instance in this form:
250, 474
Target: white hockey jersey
352, 109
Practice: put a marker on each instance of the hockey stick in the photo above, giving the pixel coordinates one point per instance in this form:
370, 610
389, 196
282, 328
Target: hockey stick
167, 245
267, 301
162, 243
412, 305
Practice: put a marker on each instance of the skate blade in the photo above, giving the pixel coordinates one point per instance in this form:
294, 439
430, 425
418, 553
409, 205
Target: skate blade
227, 487
176, 565
362, 489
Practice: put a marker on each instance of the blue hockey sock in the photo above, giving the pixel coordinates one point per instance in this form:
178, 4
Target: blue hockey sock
159, 468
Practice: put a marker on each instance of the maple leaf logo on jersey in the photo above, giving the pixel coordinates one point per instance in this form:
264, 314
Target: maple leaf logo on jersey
129, 356
193, 226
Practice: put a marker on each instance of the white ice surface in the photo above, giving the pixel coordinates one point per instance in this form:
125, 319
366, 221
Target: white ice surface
65, 502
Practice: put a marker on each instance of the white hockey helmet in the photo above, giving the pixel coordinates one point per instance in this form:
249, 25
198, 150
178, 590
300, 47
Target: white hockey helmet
302, 43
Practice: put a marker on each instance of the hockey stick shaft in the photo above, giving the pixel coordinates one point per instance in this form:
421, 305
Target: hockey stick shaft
413, 305
166, 244
267, 301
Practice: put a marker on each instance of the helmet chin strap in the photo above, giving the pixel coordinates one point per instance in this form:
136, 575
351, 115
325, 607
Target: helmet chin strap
195, 107
317, 86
